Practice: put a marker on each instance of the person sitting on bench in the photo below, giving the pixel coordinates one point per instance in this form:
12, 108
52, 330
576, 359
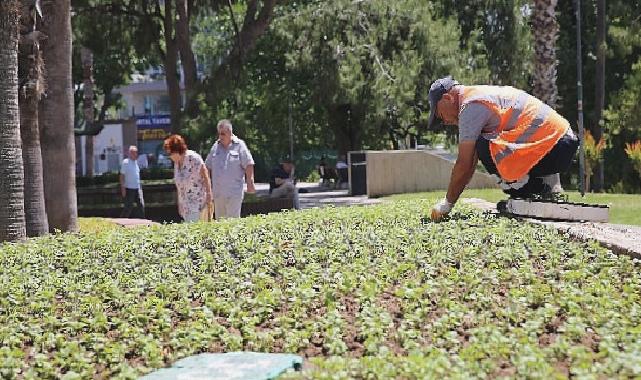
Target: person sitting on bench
281, 183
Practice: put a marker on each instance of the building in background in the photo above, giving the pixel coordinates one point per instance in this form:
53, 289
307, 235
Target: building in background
111, 143
147, 102
144, 121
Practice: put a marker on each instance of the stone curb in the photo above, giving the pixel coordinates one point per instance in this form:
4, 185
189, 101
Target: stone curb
621, 239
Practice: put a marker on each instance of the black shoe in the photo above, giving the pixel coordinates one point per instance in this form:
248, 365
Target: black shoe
501, 207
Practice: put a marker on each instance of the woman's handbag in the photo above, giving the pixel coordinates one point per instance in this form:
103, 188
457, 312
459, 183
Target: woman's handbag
207, 214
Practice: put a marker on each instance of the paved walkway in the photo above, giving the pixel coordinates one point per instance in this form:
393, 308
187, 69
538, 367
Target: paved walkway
131, 222
314, 195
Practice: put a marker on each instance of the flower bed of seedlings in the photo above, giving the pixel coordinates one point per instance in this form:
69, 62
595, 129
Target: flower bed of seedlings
365, 292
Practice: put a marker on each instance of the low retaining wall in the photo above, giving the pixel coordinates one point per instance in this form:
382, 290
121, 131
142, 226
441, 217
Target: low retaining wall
160, 203
412, 171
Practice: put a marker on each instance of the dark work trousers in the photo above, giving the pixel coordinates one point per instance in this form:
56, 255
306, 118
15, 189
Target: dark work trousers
558, 160
133, 196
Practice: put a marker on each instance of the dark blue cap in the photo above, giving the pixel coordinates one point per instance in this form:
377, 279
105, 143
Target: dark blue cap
437, 90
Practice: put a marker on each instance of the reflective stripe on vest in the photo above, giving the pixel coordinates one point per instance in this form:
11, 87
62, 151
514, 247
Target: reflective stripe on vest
528, 129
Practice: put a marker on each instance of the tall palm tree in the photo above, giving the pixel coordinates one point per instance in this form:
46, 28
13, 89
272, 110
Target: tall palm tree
56, 118
546, 32
12, 221
31, 87
545, 29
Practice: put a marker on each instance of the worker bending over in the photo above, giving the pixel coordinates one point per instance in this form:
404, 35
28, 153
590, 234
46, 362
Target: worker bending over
518, 138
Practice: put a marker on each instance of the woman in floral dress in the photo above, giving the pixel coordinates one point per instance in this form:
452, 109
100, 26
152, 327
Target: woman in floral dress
191, 177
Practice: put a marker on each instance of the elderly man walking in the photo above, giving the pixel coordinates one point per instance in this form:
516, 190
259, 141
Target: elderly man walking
130, 187
231, 165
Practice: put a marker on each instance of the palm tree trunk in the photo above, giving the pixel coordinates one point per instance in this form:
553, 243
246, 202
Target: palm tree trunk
34, 200
56, 118
12, 220
32, 86
546, 33
87, 105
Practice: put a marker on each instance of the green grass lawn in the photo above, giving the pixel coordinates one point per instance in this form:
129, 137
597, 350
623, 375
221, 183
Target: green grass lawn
94, 225
360, 292
624, 208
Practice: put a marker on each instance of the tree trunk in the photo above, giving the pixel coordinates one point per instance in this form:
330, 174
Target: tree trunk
392, 138
588, 176
254, 26
546, 33
56, 118
12, 219
346, 121
599, 102
187, 59
87, 105
31, 88
107, 102
171, 67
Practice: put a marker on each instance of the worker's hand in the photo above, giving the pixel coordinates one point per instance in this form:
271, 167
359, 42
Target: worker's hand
442, 208
251, 188
123, 192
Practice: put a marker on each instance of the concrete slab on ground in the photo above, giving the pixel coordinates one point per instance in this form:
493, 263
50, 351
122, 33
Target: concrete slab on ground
619, 238
315, 195
229, 366
334, 198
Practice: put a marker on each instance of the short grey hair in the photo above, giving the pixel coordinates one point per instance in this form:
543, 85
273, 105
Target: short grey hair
225, 124
133, 148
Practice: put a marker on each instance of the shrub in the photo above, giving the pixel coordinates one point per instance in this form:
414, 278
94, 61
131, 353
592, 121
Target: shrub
634, 153
593, 154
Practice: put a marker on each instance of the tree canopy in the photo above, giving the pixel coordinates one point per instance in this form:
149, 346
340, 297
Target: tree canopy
355, 74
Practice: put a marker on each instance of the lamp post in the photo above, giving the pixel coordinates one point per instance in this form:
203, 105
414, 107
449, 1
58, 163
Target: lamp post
579, 87
291, 131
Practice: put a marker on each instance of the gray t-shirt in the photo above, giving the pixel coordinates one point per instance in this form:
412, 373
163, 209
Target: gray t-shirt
474, 120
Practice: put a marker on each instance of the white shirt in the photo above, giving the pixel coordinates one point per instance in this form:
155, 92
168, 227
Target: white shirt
131, 171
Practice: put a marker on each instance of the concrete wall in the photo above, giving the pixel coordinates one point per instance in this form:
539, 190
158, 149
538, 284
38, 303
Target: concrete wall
411, 171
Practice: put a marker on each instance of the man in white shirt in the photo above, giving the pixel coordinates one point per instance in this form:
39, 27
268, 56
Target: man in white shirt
130, 187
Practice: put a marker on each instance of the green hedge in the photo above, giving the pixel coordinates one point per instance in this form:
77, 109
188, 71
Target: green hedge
364, 292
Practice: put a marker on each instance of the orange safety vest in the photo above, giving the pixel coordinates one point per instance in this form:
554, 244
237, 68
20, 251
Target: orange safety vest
528, 128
